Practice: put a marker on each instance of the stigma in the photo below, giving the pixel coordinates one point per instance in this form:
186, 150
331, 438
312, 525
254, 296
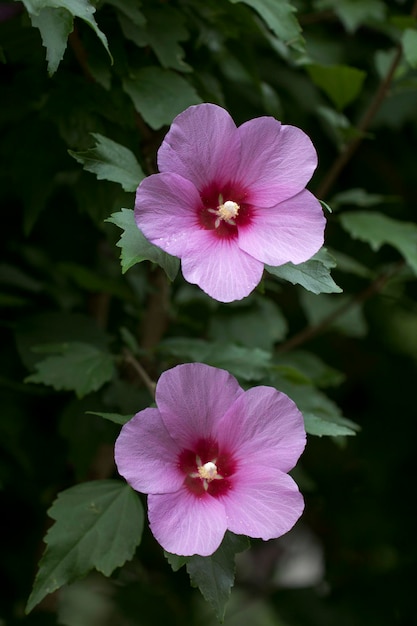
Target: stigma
226, 212
208, 471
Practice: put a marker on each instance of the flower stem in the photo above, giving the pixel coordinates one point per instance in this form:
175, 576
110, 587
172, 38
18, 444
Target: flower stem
308, 333
149, 383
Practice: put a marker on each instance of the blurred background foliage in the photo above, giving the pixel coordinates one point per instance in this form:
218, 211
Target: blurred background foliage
80, 123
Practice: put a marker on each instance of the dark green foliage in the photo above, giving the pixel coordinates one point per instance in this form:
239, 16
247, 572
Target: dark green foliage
92, 313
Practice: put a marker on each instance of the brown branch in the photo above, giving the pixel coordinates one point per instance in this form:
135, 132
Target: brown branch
156, 317
149, 383
344, 157
310, 332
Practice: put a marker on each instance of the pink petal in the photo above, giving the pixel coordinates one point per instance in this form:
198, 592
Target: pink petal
185, 524
291, 231
263, 427
263, 503
202, 145
277, 161
192, 398
220, 267
166, 211
146, 456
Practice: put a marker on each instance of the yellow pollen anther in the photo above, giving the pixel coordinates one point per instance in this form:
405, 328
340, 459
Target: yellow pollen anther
208, 471
226, 212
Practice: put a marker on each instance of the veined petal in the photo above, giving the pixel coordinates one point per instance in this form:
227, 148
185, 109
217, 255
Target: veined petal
220, 267
277, 161
166, 210
185, 524
146, 456
202, 145
192, 398
291, 231
263, 427
263, 503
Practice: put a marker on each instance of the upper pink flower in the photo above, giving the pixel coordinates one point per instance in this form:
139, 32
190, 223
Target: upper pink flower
213, 457
227, 199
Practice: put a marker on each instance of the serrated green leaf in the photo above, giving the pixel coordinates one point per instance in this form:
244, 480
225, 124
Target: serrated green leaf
54, 26
162, 32
136, 248
280, 18
175, 561
215, 575
159, 95
313, 275
79, 367
377, 229
409, 43
54, 18
116, 418
340, 82
245, 363
98, 525
109, 160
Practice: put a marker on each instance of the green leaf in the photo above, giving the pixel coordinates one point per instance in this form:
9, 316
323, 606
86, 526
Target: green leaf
347, 318
354, 13
109, 160
359, 197
54, 18
348, 264
280, 18
245, 363
313, 275
214, 575
323, 426
79, 367
321, 415
409, 43
259, 327
162, 32
116, 418
136, 248
56, 328
54, 25
377, 229
97, 525
312, 368
127, 8
159, 95
340, 82
336, 125
175, 561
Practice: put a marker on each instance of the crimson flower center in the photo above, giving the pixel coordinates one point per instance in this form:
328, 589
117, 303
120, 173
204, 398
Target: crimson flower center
207, 470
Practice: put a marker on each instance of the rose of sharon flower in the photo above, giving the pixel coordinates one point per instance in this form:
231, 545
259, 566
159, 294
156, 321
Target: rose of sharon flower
213, 457
227, 199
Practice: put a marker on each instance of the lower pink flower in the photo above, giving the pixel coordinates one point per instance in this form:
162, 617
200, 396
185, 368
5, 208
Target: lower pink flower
213, 457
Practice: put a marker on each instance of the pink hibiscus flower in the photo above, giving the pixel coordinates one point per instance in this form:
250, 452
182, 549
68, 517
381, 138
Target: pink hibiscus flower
213, 457
227, 199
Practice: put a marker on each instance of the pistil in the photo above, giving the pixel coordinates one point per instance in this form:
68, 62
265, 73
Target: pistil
226, 211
